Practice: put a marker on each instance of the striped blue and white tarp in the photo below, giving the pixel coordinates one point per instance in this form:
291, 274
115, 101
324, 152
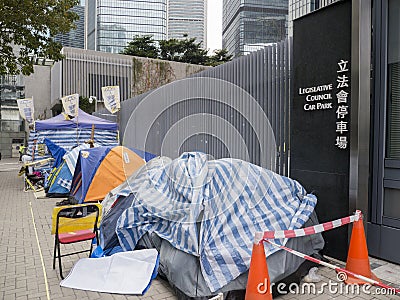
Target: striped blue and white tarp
237, 199
65, 183
71, 157
67, 139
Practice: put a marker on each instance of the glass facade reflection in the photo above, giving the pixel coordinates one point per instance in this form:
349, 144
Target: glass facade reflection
76, 37
299, 8
393, 94
113, 23
247, 24
187, 17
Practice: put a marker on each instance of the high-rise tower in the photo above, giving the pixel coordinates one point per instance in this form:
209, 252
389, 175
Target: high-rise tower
111, 24
250, 24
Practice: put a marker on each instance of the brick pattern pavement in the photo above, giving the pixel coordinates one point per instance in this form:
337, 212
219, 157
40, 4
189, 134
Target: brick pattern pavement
337, 289
21, 273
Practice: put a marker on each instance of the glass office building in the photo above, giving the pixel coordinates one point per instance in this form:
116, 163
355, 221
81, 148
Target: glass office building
111, 24
249, 23
76, 37
187, 17
299, 8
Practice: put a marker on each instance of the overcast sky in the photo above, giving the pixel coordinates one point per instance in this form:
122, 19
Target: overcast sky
214, 24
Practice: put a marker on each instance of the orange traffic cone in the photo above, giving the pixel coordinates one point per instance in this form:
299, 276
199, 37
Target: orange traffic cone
258, 284
357, 257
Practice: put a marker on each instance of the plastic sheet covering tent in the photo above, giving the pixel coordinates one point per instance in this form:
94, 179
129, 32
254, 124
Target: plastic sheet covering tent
71, 158
56, 152
211, 209
144, 154
59, 182
68, 133
101, 169
60, 179
128, 185
113, 204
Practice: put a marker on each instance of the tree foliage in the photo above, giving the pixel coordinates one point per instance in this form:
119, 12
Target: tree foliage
85, 105
220, 56
192, 52
185, 50
171, 50
27, 29
143, 46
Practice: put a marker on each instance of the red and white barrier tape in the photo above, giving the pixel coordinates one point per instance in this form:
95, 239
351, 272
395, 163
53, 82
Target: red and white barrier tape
281, 234
336, 268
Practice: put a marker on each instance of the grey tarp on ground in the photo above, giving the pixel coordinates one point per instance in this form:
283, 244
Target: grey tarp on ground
183, 270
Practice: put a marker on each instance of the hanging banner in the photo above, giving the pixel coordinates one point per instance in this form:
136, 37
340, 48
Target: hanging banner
71, 104
111, 98
26, 109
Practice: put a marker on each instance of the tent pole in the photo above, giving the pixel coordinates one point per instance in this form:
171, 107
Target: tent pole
118, 118
91, 142
77, 126
33, 150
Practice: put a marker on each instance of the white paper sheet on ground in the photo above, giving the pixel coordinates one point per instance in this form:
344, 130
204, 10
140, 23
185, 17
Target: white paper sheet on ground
122, 273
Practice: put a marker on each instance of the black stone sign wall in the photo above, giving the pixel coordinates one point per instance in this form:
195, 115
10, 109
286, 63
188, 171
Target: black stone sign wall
320, 115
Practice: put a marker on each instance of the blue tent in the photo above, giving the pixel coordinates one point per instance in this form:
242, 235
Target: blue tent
85, 170
60, 184
101, 169
143, 154
60, 180
56, 151
68, 133
83, 120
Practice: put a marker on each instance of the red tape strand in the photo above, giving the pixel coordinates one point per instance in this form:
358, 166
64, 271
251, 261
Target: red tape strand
282, 234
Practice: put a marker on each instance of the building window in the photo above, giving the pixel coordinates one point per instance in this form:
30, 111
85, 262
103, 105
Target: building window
393, 117
11, 89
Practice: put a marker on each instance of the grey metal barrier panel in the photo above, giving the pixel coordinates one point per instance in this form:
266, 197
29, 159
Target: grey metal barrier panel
228, 98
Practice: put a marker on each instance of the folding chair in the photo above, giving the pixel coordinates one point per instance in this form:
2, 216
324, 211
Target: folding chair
32, 181
73, 224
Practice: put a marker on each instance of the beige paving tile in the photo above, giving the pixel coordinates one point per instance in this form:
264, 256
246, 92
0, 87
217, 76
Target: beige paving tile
21, 273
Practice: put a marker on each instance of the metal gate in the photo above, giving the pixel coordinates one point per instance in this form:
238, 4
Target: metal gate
230, 101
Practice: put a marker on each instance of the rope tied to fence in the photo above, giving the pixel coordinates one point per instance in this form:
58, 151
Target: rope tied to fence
281, 234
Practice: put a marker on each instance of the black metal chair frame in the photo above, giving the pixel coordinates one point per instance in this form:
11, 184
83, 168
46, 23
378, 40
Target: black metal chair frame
72, 212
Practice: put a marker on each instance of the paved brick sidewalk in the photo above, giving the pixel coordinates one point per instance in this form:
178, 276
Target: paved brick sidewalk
21, 272
332, 288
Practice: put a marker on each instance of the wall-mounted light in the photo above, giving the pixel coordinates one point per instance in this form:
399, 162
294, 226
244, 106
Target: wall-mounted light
91, 99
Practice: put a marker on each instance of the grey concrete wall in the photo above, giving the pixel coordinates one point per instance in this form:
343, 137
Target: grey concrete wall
148, 73
6, 142
56, 85
86, 71
37, 86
